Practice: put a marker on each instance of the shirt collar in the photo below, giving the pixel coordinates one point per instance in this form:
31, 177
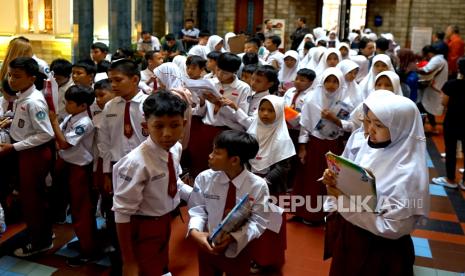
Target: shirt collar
78, 116
237, 181
27, 93
138, 98
161, 152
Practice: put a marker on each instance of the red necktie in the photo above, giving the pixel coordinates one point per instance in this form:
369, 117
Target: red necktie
294, 99
155, 85
172, 186
230, 199
10, 106
128, 131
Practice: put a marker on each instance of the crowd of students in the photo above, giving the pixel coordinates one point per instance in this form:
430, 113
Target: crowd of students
123, 140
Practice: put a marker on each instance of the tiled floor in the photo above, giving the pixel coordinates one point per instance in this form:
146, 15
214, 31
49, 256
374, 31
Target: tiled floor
439, 243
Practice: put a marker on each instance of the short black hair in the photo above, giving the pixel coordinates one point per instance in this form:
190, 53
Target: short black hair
196, 60
149, 54
80, 95
322, 42
382, 44
455, 29
276, 40
271, 74
101, 46
266, 21
249, 68
307, 73
125, 66
7, 88
214, 55
204, 33
88, 66
61, 67
254, 40
303, 19
27, 64
237, 143
250, 58
430, 49
122, 53
189, 20
309, 45
103, 66
260, 36
229, 62
440, 35
103, 84
144, 32
170, 37
164, 103
364, 42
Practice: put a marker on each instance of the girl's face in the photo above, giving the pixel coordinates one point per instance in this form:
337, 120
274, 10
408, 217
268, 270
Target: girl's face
332, 60
260, 83
377, 132
351, 75
331, 83
219, 46
385, 83
379, 67
290, 62
344, 51
266, 112
302, 83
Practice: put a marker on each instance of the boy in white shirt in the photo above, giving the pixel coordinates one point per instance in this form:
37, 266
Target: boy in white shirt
275, 58
147, 187
216, 192
61, 69
73, 168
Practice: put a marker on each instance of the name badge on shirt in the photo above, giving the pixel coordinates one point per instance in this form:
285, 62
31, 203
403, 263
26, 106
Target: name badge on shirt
209, 196
125, 177
21, 123
111, 115
156, 177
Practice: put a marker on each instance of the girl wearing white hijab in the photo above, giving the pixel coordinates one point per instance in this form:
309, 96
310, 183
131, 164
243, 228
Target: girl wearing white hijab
169, 77
350, 70
395, 152
180, 61
300, 49
330, 58
288, 72
380, 63
316, 55
319, 33
344, 49
318, 135
273, 164
227, 36
364, 66
215, 43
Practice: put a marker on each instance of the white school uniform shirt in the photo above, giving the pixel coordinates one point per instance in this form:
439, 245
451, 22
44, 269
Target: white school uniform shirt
43, 66
431, 98
62, 101
145, 75
31, 126
208, 199
299, 102
4, 106
112, 144
140, 182
275, 55
79, 133
237, 91
97, 120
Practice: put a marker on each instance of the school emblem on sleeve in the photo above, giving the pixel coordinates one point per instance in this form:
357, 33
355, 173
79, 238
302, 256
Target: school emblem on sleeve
41, 115
145, 131
21, 123
79, 130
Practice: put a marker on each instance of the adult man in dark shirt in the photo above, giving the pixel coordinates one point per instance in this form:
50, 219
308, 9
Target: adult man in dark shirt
171, 47
299, 33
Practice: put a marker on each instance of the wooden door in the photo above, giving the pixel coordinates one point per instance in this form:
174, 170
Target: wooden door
249, 15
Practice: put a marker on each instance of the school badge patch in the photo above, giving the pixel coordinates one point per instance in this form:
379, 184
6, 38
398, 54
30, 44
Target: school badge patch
79, 130
145, 131
41, 115
21, 123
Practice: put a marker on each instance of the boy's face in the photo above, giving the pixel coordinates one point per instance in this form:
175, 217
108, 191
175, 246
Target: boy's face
81, 77
194, 71
121, 84
250, 48
19, 80
97, 55
260, 83
102, 96
72, 107
166, 130
156, 60
219, 160
269, 45
301, 83
211, 64
224, 76
61, 80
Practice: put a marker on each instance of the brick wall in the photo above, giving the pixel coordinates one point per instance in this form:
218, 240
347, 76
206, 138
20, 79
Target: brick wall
190, 9
226, 14
159, 17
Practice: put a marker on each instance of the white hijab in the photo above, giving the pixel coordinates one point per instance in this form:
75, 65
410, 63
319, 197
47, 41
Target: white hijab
198, 50
351, 88
274, 140
344, 44
316, 55
227, 36
395, 81
321, 99
169, 75
363, 64
368, 83
300, 49
180, 61
400, 168
212, 42
319, 33
288, 74
323, 64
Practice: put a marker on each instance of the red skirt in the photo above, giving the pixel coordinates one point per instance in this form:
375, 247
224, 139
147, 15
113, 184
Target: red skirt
356, 251
306, 184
